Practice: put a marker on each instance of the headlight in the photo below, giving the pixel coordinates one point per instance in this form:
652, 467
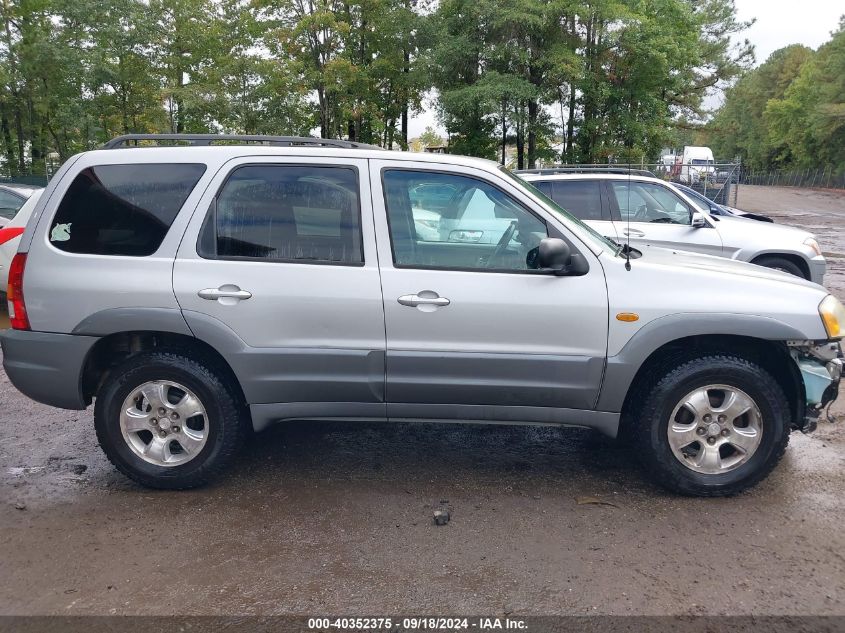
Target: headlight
833, 316
813, 244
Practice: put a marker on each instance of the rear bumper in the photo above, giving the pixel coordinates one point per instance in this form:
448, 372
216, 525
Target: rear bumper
817, 269
47, 367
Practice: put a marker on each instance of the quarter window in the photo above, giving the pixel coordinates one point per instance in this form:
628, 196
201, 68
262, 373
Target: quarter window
286, 213
122, 209
582, 198
475, 226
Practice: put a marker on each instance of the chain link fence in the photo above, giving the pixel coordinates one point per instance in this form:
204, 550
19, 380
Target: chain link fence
822, 178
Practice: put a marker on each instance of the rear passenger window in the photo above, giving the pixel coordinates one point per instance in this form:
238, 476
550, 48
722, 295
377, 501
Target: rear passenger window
287, 213
122, 209
582, 198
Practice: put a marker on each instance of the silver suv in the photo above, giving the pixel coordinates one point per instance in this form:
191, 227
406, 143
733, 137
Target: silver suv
643, 210
198, 292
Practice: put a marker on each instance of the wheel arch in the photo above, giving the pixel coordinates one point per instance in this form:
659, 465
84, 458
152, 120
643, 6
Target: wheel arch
760, 338
773, 356
794, 258
114, 348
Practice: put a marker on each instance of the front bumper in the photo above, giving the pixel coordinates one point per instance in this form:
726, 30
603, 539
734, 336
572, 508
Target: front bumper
818, 266
47, 367
821, 368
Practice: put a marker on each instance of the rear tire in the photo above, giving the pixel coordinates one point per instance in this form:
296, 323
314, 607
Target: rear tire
782, 264
747, 446
169, 451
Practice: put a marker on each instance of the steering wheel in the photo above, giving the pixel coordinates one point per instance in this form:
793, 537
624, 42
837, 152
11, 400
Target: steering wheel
506, 238
641, 214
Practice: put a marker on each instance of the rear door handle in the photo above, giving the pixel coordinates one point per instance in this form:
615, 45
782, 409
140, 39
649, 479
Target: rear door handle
227, 291
633, 232
425, 298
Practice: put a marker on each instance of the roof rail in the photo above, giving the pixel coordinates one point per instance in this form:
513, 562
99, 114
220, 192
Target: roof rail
613, 169
135, 140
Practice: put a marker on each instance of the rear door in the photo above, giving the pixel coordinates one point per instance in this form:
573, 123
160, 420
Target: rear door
585, 199
281, 254
649, 213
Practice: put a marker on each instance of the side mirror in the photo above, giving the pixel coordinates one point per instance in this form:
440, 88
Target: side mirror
554, 255
698, 221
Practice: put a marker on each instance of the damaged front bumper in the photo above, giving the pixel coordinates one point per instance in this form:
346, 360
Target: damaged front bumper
821, 370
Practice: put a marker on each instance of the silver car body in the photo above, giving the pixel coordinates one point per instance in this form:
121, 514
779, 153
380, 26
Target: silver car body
345, 342
735, 238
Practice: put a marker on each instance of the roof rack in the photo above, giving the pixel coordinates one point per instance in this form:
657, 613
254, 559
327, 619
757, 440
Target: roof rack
613, 169
135, 140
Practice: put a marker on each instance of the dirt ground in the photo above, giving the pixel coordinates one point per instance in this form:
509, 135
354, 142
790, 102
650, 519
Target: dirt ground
320, 518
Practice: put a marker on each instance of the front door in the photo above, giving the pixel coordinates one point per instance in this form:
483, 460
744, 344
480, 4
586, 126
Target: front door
281, 256
649, 213
469, 321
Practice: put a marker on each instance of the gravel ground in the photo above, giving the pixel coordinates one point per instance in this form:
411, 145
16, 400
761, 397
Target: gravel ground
337, 518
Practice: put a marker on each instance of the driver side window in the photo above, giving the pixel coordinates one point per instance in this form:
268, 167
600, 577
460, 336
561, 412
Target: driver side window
477, 227
649, 202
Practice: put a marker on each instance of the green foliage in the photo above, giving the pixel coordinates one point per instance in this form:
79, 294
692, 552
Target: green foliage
788, 112
622, 73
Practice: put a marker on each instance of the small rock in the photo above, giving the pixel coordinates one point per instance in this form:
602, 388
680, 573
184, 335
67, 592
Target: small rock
441, 517
508, 609
78, 469
20, 506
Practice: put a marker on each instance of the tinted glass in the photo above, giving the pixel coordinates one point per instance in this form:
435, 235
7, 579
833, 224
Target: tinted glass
122, 209
9, 204
287, 213
582, 198
648, 202
478, 227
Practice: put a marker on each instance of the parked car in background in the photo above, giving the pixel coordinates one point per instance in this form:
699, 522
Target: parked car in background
12, 197
10, 236
645, 211
713, 208
197, 293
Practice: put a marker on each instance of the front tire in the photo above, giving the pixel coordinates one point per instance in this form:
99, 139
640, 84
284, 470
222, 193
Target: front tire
712, 426
782, 264
168, 421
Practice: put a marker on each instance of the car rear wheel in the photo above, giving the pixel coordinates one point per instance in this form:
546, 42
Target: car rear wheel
782, 264
712, 426
168, 421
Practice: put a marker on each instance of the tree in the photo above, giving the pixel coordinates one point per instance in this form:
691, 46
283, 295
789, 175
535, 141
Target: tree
430, 138
809, 120
740, 128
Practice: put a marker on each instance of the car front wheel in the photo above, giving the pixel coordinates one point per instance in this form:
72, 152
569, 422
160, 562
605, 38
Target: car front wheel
713, 426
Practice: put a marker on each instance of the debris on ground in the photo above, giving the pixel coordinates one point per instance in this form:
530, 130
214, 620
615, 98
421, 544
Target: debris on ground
442, 517
594, 501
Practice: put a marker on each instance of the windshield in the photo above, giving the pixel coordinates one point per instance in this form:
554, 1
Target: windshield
583, 231
695, 198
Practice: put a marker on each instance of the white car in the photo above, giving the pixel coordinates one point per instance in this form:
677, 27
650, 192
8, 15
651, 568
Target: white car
10, 236
646, 211
12, 198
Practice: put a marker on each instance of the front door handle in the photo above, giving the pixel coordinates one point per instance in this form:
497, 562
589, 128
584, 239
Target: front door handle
633, 232
424, 299
227, 291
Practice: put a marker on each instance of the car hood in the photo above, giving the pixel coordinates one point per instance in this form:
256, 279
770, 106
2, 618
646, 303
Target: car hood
677, 259
773, 235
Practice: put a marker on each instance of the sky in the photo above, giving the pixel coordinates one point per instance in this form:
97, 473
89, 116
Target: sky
779, 23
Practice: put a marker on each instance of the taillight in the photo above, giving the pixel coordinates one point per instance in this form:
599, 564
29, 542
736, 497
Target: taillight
14, 294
